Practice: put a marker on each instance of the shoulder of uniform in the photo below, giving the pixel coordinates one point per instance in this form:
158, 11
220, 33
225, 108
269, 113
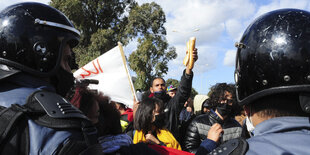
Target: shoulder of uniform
237, 146
55, 105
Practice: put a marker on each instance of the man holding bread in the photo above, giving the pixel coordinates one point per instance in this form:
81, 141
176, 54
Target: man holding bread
173, 106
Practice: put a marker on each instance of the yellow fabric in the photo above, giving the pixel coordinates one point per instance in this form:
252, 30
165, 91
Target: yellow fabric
163, 135
124, 125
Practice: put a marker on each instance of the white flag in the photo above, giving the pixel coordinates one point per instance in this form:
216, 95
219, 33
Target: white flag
110, 69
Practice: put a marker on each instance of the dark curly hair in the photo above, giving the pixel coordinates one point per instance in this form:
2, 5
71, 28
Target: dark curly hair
109, 117
84, 99
218, 94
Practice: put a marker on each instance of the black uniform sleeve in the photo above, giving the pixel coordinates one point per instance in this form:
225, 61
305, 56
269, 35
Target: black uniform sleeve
183, 92
176, 104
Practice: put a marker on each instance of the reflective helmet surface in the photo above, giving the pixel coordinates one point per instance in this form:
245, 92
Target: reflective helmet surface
273, 55
32, 37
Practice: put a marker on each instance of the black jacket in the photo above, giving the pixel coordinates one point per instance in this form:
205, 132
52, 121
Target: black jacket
174, 106
199, 127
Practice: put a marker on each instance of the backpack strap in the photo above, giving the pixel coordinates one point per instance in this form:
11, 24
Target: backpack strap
10, 118
237, 146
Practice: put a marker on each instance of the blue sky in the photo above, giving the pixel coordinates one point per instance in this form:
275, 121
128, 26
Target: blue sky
220, 23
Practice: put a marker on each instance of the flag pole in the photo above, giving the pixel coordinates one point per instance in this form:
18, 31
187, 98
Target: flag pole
127, 71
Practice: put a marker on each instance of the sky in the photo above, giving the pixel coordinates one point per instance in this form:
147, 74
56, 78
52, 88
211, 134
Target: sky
216, 24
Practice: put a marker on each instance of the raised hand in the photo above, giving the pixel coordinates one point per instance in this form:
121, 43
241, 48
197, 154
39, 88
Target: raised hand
215, 132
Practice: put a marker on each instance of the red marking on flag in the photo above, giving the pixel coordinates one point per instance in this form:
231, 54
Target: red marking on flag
99, 66
88, 73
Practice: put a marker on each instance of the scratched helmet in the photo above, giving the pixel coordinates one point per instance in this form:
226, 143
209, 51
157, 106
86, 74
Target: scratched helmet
273, 55
32, 38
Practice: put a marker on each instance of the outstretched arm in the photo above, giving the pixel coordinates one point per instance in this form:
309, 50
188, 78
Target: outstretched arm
185, 86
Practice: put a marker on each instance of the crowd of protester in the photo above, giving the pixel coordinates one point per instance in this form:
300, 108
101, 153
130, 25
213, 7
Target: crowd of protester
148, 122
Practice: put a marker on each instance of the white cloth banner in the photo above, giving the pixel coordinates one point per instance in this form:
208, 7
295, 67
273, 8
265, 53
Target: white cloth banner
110, 69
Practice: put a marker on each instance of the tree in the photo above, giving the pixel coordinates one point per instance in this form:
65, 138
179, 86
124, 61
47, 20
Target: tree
103, 23
193, 93
152, 55
91, 15
173, 82
150, 61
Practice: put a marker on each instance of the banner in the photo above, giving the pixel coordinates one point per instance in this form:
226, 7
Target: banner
111, 70
163, 150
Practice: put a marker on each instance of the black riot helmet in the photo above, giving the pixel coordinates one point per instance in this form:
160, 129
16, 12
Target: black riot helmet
273, 55
32, 38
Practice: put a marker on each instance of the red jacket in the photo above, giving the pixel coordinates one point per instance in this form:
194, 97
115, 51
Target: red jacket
129, 113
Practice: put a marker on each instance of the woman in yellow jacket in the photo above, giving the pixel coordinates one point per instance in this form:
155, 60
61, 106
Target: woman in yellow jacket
149, 125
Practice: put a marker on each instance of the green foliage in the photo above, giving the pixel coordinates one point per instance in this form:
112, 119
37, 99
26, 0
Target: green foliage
153, 54
101, 23
104, 23
149, 18
193, 93
173, 82
150, 60
91, 15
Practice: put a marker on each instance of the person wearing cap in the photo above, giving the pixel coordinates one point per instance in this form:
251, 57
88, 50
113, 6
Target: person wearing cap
173, 106
171, 90
272, 81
